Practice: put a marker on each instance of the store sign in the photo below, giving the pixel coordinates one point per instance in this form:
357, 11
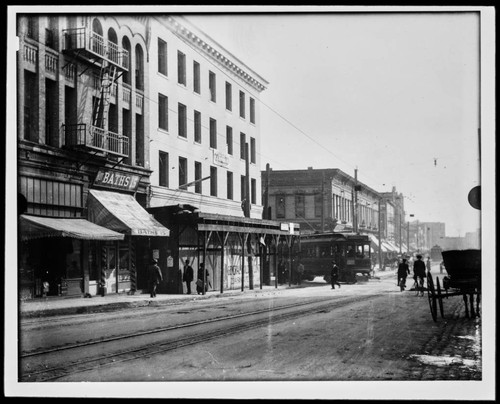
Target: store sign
117, 180
221, 159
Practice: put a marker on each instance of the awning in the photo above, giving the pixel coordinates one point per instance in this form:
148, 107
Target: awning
394, 247
386, 246
34, 227
122, 213
373, 239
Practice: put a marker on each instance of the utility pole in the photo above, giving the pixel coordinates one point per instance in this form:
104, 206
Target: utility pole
355, 202
247, 183
265, 213
323, 202
379, 236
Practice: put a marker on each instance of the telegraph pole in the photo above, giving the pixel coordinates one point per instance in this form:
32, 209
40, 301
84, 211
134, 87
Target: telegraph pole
265, 213
355, 202
323, 202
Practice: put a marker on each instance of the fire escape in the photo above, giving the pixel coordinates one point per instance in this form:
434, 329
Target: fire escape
111, 60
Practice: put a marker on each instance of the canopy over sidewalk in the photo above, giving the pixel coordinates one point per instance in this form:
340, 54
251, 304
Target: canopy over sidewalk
35, 227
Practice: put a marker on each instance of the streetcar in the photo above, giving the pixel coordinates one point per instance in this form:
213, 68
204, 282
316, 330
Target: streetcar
350, 251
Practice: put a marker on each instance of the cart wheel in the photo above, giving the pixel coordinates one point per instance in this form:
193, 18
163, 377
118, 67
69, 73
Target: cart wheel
440, 297
432, 297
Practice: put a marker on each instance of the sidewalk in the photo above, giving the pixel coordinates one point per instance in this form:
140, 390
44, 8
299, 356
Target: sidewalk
57, 306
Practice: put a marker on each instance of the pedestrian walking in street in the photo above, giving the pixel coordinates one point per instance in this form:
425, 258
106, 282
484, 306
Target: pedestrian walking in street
155, 277
403, 272
335, 275
200, 281
300, 272
188, 276
419, 273
428, 264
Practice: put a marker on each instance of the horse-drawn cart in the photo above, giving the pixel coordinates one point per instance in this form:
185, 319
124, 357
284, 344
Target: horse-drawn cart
464, 279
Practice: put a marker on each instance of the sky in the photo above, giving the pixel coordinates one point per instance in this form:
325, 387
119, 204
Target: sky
394, 95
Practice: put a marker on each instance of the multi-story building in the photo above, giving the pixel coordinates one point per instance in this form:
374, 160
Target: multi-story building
397, 227
321, 200
119, 114
204, 154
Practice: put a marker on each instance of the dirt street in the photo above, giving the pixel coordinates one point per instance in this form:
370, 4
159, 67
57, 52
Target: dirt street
390, 337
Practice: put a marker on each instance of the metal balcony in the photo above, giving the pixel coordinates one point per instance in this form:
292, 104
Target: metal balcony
85, 43
92, 137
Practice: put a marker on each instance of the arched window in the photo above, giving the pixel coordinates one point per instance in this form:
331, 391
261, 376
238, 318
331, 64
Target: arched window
97, 27
126, 61
139, 68
113, 53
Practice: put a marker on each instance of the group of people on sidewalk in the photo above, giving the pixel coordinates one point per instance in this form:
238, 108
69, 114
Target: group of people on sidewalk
203, 275
155, 277
419, 275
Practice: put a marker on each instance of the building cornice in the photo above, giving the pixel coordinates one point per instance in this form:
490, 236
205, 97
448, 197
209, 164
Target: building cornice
181, 27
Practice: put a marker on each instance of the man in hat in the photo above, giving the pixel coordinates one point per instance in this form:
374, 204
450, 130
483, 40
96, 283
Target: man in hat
155, 277
419, 273
334, 275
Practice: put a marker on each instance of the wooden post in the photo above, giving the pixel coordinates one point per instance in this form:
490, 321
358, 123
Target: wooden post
250, 261
242, 261
276, 262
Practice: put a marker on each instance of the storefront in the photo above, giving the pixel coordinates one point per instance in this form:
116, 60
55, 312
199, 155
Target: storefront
238, 253
105, 250
55, 254
123, 264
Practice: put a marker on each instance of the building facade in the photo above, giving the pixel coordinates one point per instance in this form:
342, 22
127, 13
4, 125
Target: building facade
321, 200
83, 142
123, 118
204, 153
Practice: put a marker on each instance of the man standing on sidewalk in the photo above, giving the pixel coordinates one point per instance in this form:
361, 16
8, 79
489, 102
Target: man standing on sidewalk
188, 276
155, 277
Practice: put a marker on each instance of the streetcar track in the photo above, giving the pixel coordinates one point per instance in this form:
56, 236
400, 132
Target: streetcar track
58, 371
164, 329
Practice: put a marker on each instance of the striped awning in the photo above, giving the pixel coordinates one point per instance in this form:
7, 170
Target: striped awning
122, 213
35, 227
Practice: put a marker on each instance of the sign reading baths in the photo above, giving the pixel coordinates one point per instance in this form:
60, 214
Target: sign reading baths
117, 180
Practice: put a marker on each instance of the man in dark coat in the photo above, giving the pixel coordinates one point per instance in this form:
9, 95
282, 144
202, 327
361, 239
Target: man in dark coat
201, 281
335, 275
188, 276
419, 273
155, 277
403, 272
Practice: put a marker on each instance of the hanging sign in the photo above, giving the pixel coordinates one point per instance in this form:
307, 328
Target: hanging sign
117, 180
221, 159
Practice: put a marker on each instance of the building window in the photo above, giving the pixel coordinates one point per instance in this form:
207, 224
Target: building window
229, 185
197, 177
181, 68
51, 36
163, 169
318, 205
243, 188
229, 140
31, 106
162, 57
253, 186
280, 206
213, 181
213, 133
196, 77
242, 104
211, 86
229, 96
300, 208
182, 117
162, 112
183, 175
252, 110
242, 145
197, 127
252, 150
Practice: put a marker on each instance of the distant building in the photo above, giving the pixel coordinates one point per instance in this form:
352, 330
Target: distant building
321, 200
